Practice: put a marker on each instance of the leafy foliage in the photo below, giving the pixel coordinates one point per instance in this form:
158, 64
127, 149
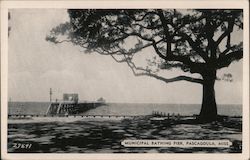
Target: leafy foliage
195, 41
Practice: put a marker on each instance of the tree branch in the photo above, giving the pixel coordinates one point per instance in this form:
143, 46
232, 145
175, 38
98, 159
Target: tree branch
225, 61
226, 51
158, 52
55, 40
226, 33
148, 27
138, 35
142, 18
195, 47
147, 73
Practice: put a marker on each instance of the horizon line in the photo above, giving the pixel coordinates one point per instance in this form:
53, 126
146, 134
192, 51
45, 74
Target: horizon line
142, 102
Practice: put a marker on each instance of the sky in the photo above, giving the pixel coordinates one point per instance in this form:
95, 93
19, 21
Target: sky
35, 66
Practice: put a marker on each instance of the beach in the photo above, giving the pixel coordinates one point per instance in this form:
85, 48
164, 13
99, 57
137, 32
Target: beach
78, 135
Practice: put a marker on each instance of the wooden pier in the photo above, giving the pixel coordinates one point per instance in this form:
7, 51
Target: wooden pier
71, 107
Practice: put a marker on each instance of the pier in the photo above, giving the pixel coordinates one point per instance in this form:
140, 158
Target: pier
71, 106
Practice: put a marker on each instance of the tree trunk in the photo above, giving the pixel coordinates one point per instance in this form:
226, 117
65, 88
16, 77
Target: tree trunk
208, 111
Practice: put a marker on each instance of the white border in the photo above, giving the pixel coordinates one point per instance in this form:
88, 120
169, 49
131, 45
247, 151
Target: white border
5, 5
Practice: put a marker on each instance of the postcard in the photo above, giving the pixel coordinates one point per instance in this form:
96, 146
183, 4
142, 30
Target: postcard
125, 79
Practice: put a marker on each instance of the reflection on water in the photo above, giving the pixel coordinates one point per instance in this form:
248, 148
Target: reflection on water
105, 136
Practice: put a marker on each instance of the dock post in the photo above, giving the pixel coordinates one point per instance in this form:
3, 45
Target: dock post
178, 116
48, 110
59, 107
173, 116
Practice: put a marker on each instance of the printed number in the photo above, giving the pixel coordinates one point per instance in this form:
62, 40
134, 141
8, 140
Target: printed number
22, 145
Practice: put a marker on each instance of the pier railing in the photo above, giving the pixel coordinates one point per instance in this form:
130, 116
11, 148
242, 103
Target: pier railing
71, 107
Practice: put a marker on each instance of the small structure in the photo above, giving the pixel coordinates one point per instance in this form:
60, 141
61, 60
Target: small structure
102, 100
73, 97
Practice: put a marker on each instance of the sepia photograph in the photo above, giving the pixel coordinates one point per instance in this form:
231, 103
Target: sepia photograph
139, 80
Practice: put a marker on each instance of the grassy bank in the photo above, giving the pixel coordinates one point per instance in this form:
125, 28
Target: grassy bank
105, 136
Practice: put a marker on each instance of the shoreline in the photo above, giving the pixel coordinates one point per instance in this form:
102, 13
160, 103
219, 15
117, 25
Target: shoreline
12, 119
77, 135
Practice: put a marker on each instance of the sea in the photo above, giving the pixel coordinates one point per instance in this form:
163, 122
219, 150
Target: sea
133, 109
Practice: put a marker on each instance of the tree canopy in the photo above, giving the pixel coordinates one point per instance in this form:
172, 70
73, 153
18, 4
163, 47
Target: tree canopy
195, 41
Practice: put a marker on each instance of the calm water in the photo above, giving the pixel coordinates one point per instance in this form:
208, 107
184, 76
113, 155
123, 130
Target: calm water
126, 109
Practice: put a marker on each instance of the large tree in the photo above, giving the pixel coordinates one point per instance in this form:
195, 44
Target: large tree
195, 41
